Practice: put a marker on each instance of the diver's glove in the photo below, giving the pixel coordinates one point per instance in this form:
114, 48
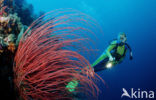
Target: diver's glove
131, 56
111, 58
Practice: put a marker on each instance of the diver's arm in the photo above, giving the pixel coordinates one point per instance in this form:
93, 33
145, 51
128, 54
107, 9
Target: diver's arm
105, 54
130, 50
99, 59
111, 47
109, 54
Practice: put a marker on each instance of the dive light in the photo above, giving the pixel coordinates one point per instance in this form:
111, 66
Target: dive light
109, 65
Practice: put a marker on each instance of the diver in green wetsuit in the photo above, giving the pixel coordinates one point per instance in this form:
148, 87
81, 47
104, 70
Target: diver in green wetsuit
114, 54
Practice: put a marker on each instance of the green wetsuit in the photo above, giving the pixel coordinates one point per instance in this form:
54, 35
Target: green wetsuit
115, 49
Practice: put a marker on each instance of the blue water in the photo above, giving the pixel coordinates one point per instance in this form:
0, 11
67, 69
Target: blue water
135, 17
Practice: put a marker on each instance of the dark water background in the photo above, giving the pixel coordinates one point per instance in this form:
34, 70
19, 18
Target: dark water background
135, 17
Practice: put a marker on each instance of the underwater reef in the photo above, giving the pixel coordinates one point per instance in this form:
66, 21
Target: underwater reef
41, 58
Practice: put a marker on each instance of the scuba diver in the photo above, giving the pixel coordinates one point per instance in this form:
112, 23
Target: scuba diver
114, 54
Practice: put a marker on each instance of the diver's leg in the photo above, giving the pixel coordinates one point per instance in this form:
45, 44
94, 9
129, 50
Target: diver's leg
101, 65
99, 69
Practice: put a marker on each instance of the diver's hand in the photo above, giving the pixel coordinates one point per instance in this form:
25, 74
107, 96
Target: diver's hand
111, 58
131, 56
